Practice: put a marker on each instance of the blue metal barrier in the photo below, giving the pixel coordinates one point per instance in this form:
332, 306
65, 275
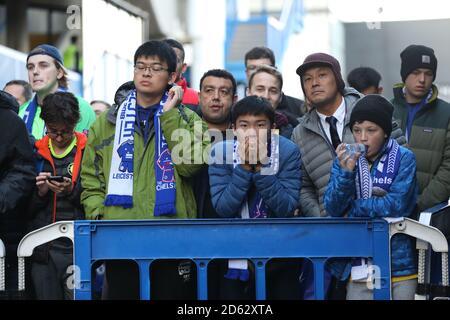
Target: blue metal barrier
204, 240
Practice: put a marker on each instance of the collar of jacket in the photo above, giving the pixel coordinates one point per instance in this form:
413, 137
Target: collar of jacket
182, 83
44, 152
311, 119
398, 93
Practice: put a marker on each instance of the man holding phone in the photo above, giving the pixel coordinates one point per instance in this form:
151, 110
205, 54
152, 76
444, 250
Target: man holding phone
56, 178
135, 173
57, 197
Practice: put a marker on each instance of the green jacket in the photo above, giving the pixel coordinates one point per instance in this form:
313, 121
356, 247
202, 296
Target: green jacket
430, 142
98, 156
87, 118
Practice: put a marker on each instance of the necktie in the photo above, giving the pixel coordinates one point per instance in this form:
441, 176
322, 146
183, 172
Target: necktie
333, 131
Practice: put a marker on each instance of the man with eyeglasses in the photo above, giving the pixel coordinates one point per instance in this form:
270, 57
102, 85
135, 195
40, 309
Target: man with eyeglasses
292, 107
131, 169
46, 75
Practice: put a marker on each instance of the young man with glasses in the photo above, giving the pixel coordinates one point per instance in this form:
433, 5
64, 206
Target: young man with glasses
136, 173
46, 75
57, 195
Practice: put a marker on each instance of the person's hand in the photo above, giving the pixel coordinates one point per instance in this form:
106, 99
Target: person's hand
243, 152
174, 99
60, 187
41, 184
263, 146
347, 162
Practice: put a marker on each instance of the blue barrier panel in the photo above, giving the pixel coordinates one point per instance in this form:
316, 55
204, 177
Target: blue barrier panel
203, 240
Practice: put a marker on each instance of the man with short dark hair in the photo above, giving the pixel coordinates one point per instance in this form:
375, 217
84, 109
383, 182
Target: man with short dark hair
217, 96
256, 176
292, 107
366, 80
426, 121
136, 173
190, 96
21, 90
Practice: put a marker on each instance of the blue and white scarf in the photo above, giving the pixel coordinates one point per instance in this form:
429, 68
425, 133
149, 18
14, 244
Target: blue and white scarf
385, 172
380, 184
30, 112
120, 184
257, 208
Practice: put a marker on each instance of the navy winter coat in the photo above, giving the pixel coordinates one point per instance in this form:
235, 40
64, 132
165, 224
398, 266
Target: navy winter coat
230, 186
400, 201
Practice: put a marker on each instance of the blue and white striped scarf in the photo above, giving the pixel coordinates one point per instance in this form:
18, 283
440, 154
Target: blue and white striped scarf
385, 172
255, 209
120, 184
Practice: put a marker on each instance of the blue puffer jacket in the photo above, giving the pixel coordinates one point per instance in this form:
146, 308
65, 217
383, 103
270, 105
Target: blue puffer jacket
229, 186
399, 202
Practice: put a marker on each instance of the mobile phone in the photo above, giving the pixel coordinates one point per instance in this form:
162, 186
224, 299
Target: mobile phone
56, 178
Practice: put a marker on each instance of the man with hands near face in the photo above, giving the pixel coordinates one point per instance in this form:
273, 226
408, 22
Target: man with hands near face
256, 175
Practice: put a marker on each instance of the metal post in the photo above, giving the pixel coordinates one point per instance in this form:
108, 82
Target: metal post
202, 279
144, 276
37, 238
319, 278
260, 275
445, 269
2, 266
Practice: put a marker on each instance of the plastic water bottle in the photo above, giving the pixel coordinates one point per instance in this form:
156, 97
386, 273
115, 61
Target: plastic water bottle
353, 148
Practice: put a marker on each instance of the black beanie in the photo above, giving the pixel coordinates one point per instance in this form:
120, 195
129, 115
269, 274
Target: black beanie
322, 59
374, 108
415, 57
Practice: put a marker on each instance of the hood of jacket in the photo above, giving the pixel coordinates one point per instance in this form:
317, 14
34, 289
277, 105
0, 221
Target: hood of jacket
7, 101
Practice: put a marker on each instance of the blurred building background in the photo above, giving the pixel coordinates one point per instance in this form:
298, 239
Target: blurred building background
99, 37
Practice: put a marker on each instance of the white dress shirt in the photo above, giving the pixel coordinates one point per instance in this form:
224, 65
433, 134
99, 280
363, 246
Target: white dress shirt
339, 114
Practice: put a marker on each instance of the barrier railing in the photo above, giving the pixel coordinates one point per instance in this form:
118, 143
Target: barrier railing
145, 241
430, 282
2, 265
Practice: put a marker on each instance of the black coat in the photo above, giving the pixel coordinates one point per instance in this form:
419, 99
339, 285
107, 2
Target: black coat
17, 180
292, 107
17, 168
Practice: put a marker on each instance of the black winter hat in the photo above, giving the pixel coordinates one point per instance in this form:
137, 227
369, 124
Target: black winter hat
322, 59
415, 57
374, 108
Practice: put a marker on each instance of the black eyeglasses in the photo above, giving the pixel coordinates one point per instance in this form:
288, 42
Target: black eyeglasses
56, 134
153, 68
